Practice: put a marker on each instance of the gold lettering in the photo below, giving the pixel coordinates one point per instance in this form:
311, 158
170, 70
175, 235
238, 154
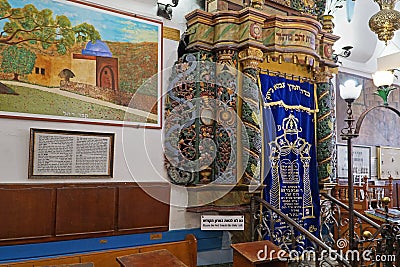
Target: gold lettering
279, 85
284, 36
269, 93
297, 88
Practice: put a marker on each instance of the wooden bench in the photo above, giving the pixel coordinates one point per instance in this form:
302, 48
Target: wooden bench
185, 251
153, 258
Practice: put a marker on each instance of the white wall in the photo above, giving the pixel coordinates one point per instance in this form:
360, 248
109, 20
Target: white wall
138, 152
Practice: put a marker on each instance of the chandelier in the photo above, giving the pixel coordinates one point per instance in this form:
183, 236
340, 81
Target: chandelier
386, 21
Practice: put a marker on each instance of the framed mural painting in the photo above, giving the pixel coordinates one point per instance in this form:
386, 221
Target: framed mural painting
75, 61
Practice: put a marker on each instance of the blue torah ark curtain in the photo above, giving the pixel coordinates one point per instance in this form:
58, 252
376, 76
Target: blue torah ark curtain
290, 163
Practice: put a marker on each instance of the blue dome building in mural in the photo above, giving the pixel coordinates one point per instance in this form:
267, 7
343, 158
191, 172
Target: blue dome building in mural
106, 66
97, 48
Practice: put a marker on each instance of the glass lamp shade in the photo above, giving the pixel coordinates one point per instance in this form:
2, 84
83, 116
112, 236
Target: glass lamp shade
382, 78
349, 90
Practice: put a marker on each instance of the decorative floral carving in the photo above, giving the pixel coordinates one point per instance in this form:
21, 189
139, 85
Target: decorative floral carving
255, 31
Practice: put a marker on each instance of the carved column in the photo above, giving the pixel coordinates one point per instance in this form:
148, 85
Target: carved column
226, 131
326, 138
250, 58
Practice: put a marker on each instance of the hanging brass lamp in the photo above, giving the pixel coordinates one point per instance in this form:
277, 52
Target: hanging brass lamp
386, 21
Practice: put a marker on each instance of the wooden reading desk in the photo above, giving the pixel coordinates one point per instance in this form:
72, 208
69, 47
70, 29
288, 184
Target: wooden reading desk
154, 258
248, 255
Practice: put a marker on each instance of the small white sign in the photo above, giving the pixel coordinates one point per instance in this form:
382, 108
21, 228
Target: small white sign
222, 222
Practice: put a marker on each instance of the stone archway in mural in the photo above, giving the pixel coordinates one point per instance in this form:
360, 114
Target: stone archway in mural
107, 78
107, 72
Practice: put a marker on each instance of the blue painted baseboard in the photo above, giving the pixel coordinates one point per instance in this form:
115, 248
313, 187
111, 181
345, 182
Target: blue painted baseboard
206, 240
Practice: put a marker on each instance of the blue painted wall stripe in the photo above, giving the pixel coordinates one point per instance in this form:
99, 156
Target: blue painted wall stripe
206, 240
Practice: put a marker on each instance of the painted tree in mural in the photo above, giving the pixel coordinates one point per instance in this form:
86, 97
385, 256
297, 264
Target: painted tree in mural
18, 60
29, 28
34, 27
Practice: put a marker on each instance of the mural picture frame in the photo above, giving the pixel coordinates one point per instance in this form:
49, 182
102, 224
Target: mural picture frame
60, 154
100, 65
361, 163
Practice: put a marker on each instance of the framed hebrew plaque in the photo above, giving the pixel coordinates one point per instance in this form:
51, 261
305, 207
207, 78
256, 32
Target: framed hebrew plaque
361, 162
57, 154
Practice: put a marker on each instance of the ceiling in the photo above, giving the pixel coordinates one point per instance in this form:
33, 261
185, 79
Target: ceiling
366, 46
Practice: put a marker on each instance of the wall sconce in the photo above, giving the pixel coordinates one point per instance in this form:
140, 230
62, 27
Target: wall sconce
349, 91
384, 80
345, 54
165, 10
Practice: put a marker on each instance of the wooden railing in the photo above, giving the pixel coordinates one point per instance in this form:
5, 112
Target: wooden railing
366, 196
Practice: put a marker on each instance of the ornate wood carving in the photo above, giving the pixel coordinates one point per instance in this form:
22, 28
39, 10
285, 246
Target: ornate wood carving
251, 58
298, 7
270, 40
326, 138
292, 39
